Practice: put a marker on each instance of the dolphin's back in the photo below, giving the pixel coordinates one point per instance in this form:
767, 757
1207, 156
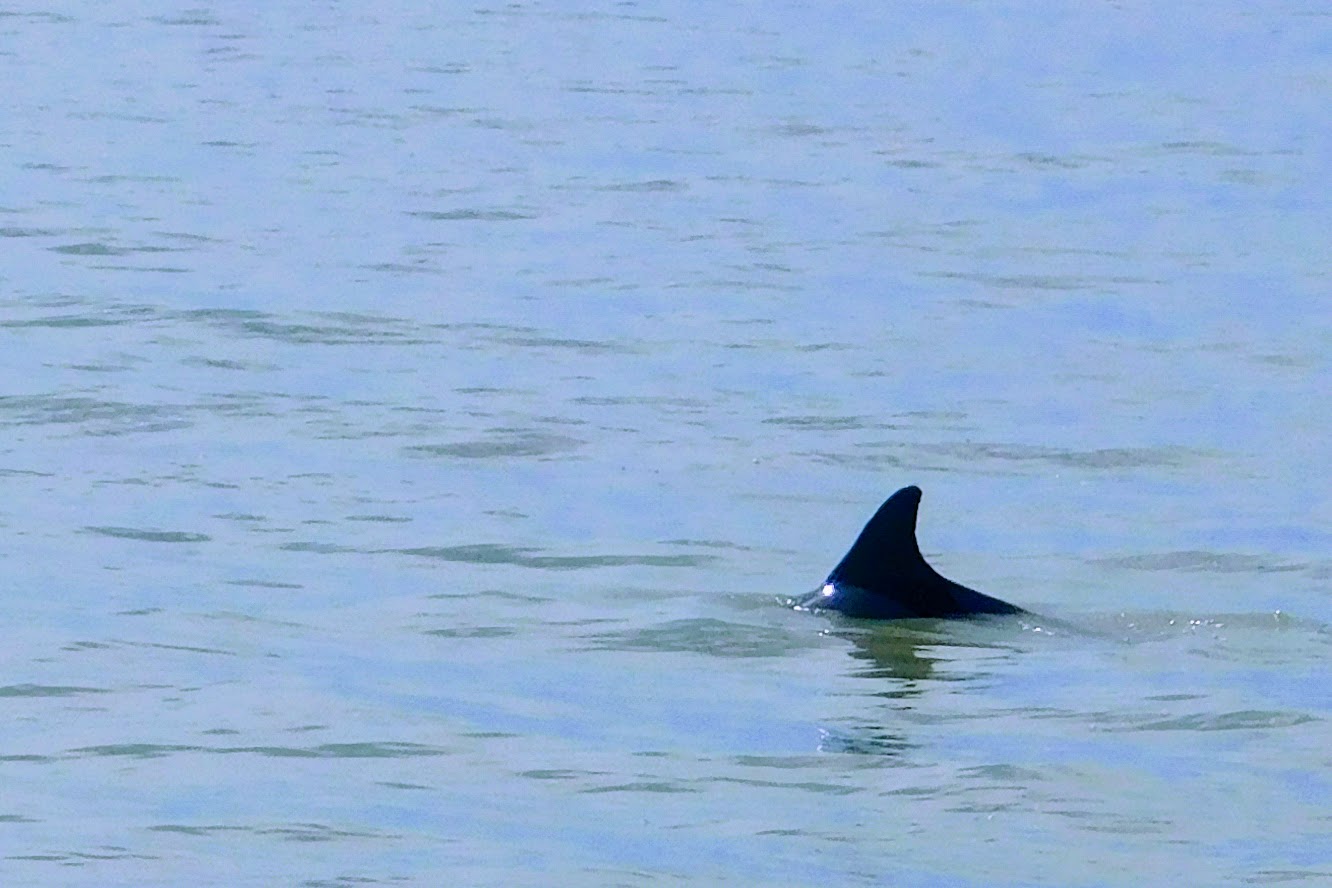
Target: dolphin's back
884, 576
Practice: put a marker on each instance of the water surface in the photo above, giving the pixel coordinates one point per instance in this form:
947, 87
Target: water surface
414, 423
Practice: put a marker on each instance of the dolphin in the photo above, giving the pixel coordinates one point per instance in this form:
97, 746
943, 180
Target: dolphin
884, 576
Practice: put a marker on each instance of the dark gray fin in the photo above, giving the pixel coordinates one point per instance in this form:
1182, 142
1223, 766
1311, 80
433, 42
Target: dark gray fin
884, 575
886, 550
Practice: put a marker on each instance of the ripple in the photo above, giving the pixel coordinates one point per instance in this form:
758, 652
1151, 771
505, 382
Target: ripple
296, 832
472, 632
586, 346
716, 638
65, 322
374, 749
391, 749
1194, 560
688, 404
315, 328
1241, 720
504, 445
92, 248
13, 231
472, 215
1102, 458
150, 536
818, 423
645, 186
649, 786
32, 690
109, 418
709, 544
318, 548
132, 750
966, 456
493, 553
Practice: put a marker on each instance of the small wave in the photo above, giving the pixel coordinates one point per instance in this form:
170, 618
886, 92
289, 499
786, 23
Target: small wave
504, 445
1198, 560
150, 536
493, 553
716, 638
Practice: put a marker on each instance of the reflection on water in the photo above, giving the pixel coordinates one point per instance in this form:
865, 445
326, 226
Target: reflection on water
909, 662
894, 651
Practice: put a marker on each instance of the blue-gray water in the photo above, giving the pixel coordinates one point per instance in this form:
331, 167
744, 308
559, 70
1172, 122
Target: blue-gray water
413, 420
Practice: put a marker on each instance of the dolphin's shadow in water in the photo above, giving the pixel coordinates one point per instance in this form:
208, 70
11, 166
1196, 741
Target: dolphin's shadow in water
906, 663
895, 652
914, 654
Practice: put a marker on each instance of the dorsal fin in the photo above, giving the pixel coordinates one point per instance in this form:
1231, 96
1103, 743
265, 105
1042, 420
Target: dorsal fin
885, 577
887, 545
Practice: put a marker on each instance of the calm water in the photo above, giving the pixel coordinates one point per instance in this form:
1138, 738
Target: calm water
414, 420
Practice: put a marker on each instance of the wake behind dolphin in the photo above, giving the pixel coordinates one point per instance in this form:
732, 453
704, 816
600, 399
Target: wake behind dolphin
884, 576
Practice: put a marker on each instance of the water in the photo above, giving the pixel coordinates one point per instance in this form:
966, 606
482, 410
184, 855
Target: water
414, 421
